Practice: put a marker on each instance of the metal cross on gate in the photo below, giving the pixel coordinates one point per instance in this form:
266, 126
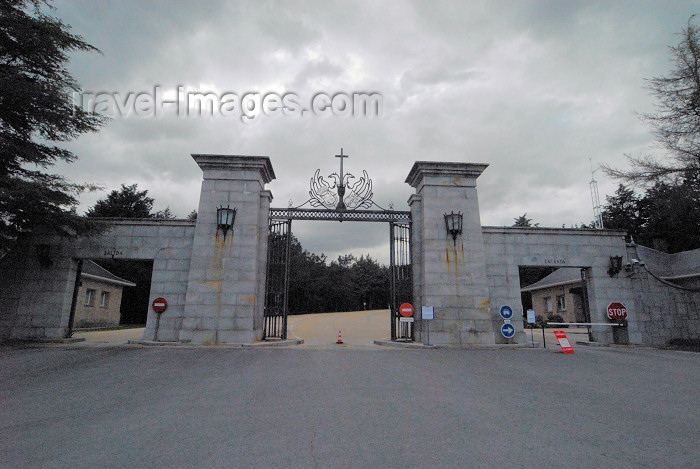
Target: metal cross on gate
341, 186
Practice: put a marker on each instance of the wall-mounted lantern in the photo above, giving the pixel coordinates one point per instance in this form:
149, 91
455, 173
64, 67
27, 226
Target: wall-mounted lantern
225, 216
615, 265
43, 253
453, 223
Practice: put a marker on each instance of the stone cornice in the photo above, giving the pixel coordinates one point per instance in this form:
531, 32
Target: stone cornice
536, 230
237, 163
421, 169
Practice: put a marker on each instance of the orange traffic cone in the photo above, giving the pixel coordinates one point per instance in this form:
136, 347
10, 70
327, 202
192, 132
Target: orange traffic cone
340, 339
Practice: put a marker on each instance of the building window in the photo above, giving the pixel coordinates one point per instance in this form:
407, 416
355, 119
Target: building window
547, 303
89, 297
561, 303
104, 299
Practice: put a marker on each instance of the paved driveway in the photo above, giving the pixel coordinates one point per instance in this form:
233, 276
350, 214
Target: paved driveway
357, 327
132, 406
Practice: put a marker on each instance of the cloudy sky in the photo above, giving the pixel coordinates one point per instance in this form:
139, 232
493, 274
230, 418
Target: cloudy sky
534, 88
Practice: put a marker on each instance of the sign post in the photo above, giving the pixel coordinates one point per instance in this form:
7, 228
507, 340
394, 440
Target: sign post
159, 305
507, 329
406, 311
531, 319
427, 313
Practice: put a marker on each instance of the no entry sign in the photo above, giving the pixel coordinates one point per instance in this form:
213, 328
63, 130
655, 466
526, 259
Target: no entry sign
406, 310
159, 305
617, 311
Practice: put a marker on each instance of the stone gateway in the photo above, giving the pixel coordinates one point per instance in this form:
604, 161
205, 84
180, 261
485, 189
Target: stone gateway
215, 272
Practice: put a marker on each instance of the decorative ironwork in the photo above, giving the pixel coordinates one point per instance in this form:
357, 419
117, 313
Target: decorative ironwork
335, 215
277, 281
344, 192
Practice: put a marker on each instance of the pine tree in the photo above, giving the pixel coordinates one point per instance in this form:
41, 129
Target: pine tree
37, 114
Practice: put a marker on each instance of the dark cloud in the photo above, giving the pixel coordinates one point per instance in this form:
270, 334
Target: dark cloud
535, 88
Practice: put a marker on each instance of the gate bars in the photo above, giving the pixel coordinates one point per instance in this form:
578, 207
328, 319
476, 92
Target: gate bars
401, 283
277, 281
278, 252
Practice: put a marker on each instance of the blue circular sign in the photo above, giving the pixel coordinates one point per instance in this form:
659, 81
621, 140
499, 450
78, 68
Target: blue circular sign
507, 330
506, 312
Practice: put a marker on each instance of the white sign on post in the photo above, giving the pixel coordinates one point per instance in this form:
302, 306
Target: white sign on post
531, 316
427, 312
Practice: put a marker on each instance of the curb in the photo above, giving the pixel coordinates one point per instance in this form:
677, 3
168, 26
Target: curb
390, 343
419, 345
69, 340
588, 343
276, 343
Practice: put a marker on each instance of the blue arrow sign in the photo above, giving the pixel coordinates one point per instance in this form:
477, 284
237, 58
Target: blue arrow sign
508, 331
506, 312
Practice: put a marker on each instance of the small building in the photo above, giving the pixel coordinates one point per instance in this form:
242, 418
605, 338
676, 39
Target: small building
100, 297
559, 293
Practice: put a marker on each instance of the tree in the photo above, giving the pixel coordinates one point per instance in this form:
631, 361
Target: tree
524, 221
665, 217
128, 202
676, 123
192, 215
36, 113
622, 211
671, 214
370, 284
167, 214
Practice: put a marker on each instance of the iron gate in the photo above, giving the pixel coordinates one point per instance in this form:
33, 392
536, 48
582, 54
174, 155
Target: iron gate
278, 252
339, 197
277, 281
401, 283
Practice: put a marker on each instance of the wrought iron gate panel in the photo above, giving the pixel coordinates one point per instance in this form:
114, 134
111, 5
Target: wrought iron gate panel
277, 281
401, 283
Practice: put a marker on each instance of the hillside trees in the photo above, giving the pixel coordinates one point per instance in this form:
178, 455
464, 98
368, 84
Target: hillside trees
346, 284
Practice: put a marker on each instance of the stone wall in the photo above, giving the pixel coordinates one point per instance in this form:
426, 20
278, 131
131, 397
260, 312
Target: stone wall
507, 248
663, 312
35, 300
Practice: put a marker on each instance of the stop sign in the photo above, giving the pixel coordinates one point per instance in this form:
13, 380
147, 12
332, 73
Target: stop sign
406, 310
617, 311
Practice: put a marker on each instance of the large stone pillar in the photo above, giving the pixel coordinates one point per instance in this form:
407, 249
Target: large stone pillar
449, 275
225, 292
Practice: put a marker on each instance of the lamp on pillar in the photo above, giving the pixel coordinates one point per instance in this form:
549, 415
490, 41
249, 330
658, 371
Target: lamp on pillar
453, 223
225, 216
615, 265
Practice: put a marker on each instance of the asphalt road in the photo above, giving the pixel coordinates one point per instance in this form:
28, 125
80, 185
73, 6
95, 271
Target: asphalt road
134, 406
